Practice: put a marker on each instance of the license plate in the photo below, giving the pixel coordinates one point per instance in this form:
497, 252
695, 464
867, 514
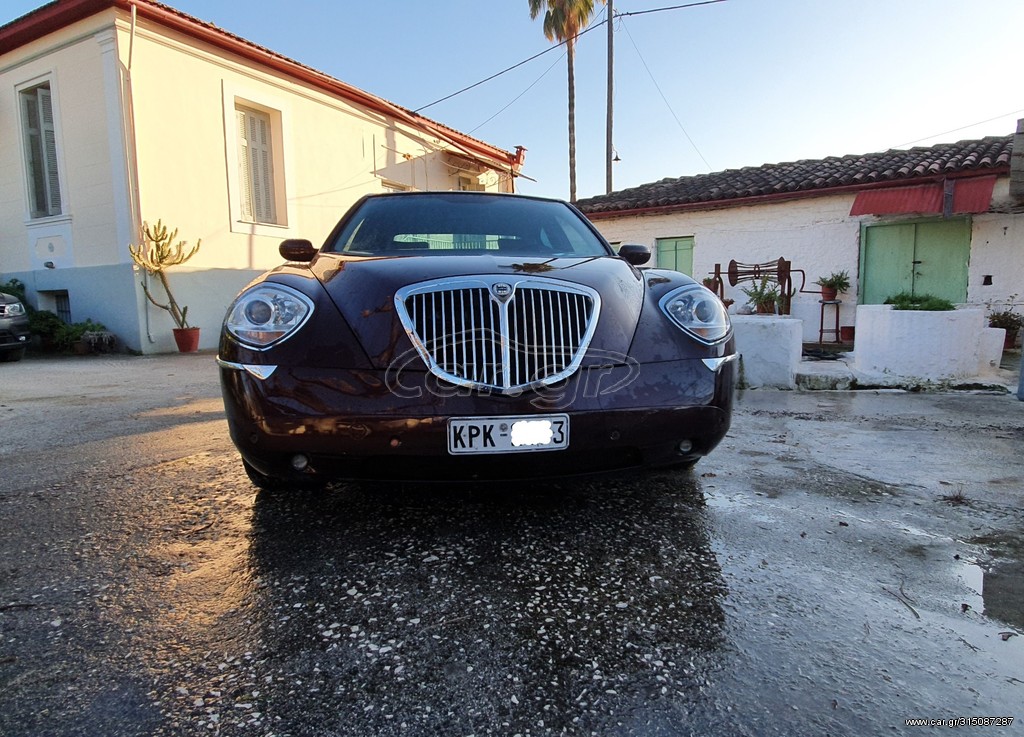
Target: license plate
479, 435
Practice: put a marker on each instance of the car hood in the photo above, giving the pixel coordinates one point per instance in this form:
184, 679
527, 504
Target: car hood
363, 290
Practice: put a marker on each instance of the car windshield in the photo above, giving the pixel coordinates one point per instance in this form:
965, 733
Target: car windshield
461, 225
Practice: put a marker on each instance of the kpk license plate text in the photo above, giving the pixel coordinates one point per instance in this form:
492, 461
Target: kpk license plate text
477, 435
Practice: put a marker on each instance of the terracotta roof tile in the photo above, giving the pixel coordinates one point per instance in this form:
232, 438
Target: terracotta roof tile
806, 176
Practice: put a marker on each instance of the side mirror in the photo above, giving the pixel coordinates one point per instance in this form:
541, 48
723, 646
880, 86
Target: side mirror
297, 249
634, 254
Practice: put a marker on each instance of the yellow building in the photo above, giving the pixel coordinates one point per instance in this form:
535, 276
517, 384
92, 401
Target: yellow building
114, 113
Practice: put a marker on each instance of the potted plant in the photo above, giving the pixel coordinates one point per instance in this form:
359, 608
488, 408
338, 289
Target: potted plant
1009, 321
155, 254
763, 296
833, 284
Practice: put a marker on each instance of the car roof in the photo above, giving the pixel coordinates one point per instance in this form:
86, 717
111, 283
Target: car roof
460, 193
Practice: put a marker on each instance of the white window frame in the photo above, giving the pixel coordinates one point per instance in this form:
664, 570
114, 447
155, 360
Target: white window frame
272, 218
55, 203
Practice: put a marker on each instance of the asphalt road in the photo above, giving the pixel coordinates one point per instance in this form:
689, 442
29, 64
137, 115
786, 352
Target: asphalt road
845, 561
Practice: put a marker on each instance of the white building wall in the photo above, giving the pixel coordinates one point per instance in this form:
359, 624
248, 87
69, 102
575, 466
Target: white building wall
815, 234
82, 235
78, 251
332, 152
997, 251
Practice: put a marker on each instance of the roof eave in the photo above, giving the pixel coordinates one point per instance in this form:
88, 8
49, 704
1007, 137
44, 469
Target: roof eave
797, 195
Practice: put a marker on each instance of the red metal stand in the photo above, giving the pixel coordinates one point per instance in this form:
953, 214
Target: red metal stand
821, 323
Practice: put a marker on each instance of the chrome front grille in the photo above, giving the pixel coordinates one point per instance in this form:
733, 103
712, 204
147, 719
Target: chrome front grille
499, 333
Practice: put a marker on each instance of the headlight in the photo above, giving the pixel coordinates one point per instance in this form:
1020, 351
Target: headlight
267, 314
698, 311
15, 309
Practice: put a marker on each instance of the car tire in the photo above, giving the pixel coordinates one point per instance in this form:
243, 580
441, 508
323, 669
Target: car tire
273, 485
12, 356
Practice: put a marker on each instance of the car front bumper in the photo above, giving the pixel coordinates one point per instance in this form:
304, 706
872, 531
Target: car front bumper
14, 334
359, 425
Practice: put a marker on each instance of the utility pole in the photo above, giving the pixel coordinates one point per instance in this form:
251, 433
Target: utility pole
608, 149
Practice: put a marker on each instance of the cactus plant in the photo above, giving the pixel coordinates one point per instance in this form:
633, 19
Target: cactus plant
156, 252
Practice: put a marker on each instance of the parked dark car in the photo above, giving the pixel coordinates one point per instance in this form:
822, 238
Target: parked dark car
14, 332
470, 336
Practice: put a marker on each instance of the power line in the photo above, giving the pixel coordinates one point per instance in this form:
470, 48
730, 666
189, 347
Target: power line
588, 29
534, 83
664, 99
674, 7
516, 98
964, 127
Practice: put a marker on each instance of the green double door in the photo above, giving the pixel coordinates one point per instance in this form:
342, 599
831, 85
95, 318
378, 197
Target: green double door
920, 258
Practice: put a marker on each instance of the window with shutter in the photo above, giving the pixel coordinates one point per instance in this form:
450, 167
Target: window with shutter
41, 151
256, 166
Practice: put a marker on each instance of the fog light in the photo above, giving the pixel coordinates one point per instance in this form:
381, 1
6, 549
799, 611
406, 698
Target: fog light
685, 446
300, 462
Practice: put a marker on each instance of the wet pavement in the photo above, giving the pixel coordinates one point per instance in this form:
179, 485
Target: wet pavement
845, 561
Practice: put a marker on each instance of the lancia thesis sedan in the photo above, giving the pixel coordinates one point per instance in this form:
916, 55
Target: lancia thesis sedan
464, 336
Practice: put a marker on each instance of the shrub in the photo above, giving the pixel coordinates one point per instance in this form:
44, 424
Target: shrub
927, 302
69, 334
15, 288
47, 326
1006, 319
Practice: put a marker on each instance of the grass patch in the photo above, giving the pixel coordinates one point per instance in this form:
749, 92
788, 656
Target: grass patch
957, 498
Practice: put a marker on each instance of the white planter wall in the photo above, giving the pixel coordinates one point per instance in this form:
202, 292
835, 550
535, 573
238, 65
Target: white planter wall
769, 348
926, 346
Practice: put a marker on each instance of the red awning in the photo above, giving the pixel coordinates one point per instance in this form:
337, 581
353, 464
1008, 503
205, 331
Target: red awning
973, 195
969, 196
897, 200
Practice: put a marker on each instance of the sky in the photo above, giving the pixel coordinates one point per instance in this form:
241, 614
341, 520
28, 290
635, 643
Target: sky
697, 89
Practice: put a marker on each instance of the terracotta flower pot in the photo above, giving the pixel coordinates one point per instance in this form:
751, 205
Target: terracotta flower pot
1010, 339
187, 339
828, 294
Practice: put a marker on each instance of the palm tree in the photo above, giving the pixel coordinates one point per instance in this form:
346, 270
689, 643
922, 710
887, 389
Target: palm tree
563, 21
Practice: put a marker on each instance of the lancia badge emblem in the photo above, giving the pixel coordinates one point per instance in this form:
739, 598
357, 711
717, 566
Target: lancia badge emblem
502, 290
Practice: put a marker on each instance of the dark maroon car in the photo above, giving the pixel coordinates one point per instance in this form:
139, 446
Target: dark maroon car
439, 336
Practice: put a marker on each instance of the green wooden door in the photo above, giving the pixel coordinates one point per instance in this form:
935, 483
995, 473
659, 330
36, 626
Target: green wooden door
919, 258
941, 259
676, 254
887, 255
